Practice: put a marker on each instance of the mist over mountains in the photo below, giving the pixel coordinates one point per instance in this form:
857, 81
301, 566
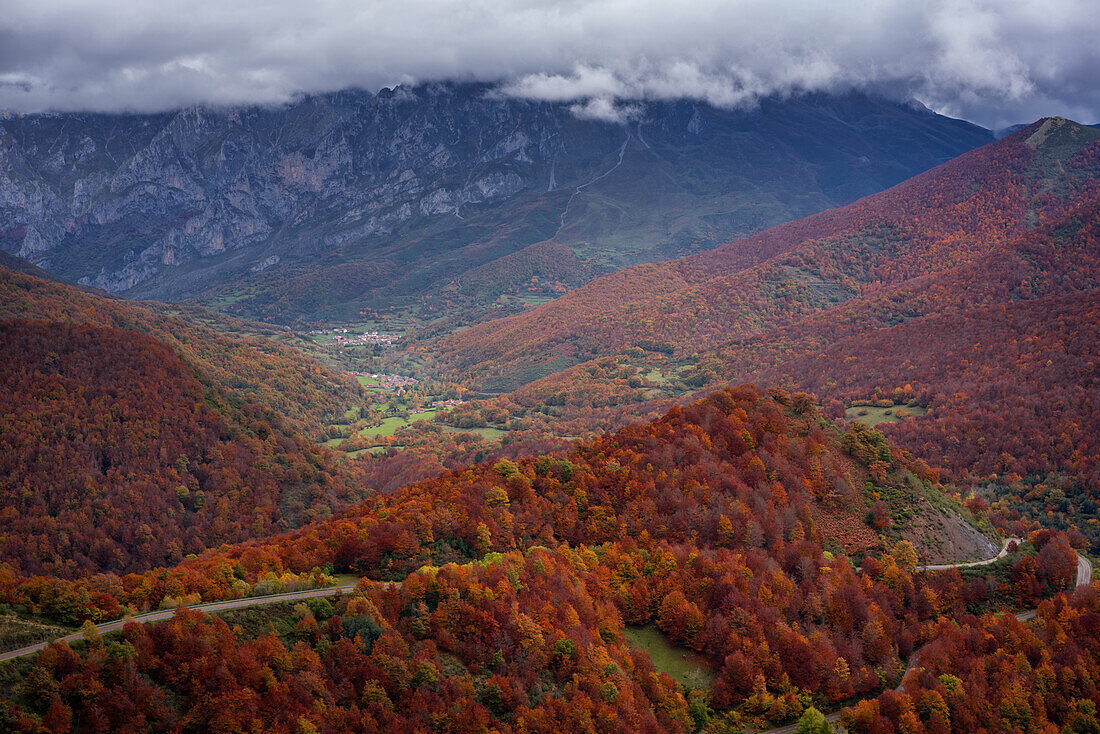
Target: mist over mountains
616, 366
432, 195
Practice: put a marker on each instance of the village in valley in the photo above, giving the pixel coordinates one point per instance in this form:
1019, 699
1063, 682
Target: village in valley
346, 337
401, 398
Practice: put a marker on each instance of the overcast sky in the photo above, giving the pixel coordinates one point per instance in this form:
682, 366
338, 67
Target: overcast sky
995, 63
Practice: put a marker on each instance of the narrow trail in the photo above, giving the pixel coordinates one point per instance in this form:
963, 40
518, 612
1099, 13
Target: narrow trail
214, 606
1084, 577
605, 174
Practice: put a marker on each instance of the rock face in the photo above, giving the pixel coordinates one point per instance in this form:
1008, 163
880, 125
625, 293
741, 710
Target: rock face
426, 184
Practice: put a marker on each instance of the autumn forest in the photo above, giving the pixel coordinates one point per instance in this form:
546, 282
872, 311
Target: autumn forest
843, 474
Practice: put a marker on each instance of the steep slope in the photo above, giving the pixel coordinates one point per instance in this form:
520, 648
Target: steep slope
945, 217
116, 456
19, 265
1001, 351
706, 523
388, 198
771, 465
302, 391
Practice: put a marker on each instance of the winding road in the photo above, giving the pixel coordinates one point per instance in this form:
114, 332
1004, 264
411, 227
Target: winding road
1084, 577
968, 564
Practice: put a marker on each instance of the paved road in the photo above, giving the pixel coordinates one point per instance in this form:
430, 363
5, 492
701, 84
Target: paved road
1084, 571
159, 616
986, 562
1084, 578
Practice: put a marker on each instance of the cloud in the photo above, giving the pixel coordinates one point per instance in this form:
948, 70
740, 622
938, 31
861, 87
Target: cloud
605, 109
674, 79
992, 61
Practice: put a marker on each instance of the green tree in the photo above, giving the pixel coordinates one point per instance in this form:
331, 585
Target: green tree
1083, 720
813, 722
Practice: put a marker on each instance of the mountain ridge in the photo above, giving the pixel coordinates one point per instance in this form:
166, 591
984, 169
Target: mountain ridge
392, 195
247, 368
945, 216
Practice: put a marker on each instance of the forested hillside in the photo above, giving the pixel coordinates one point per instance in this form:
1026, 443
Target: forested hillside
1013, 334
712, 523
115, 455
1017, 677
132, 438
943, 218
302, 391
770, 465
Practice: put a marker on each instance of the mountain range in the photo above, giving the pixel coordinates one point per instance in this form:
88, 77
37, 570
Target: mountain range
433, 199
693, 494
951, 215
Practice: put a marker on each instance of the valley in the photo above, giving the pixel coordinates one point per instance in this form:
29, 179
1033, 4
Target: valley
606, 437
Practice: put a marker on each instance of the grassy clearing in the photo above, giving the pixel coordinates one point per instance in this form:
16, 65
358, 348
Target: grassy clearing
390, 426
372, 450
252, 622
683, 666
16, 631
871, 415
488, 433
223, 301
387, 427
368, 381
533, 300
525, 374
659, 377
526, 300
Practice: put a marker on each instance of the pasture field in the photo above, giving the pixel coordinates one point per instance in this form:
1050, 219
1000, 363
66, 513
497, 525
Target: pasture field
872, 415
16, 631
682, 665
389, 426
488, 433
524, 300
